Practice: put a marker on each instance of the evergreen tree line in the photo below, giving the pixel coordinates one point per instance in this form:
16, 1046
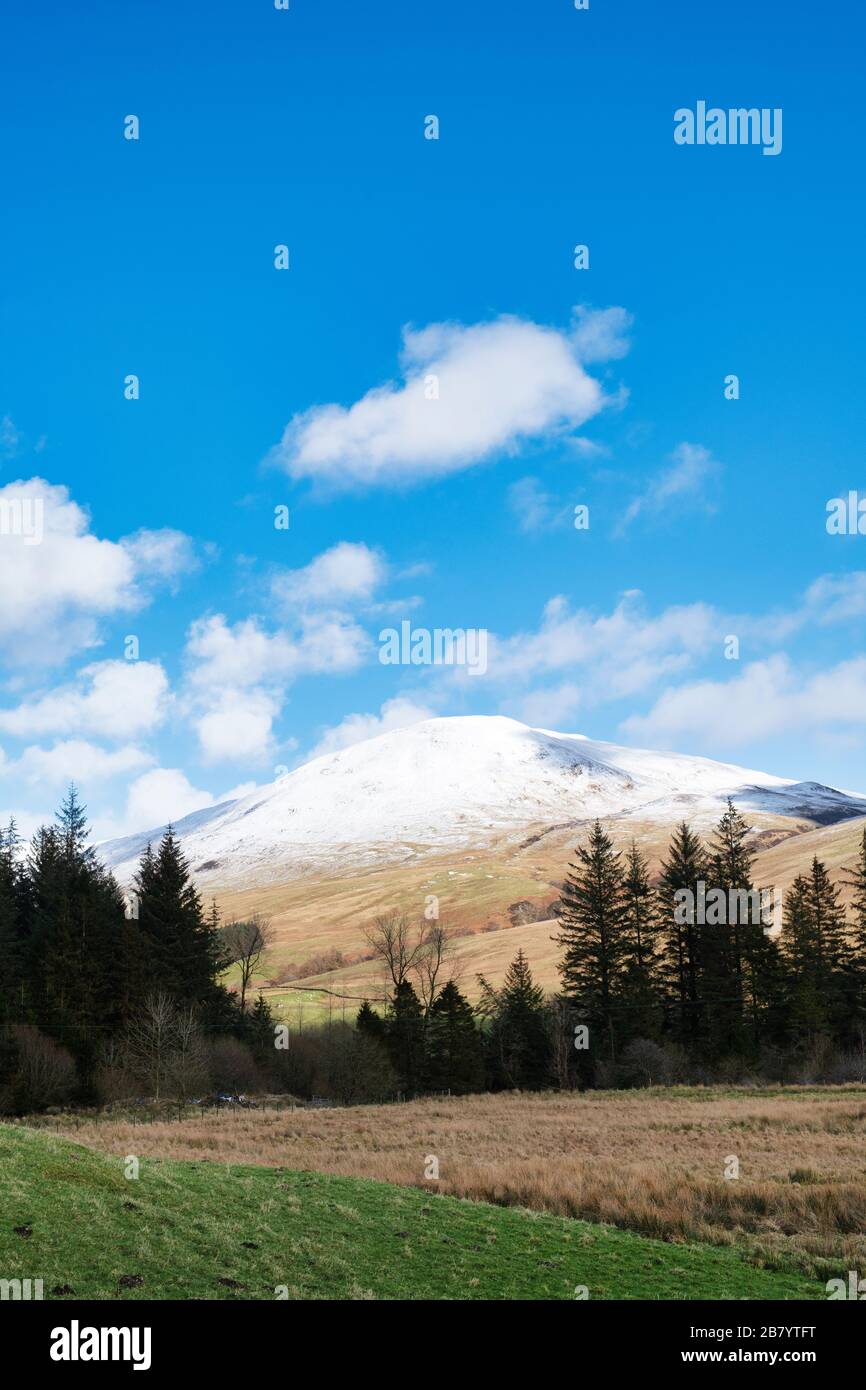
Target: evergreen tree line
668, 979
684, 977
677, 962
89, 988
503, 1042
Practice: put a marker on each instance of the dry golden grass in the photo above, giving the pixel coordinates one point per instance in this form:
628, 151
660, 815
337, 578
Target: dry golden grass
649, 1161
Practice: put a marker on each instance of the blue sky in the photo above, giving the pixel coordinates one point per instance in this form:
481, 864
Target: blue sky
155, 257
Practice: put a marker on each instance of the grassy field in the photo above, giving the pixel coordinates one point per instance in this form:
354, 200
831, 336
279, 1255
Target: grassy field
211, 1230
649, 1162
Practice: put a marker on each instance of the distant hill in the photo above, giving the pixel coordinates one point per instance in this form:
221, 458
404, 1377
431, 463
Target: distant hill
446, 786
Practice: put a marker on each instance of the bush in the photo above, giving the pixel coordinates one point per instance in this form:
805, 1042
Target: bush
40, 1072
645, 1063
338, 1062
232, 1067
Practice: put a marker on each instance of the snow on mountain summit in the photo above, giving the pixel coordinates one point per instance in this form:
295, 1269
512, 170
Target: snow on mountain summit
459, 782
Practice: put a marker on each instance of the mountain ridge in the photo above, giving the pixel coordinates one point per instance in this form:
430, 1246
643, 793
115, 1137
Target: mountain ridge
463, 782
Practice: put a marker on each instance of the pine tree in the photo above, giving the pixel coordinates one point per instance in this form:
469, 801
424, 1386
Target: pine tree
183, 947
405, 1038
741, 962
856, 878
258, 1026
684, 870
592, 931
13, 992
454, 1057
804, 1007
518, 1042
817, 957
76, 937
639, 990
731, 869
370, 1023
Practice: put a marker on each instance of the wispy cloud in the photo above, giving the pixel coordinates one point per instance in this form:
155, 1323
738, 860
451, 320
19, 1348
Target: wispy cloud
766, 699
10, 437
692, 467
533, 508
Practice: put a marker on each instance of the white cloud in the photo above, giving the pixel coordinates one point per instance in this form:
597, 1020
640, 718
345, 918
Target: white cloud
346, 572
499, 384
59, 580
551, 708
26, 822
112, 699
245, 654
614, 654
241, 790
242, 654
239, 726
332, 643
397, 713
161, 795
75, 760
238, 676
836, 598
692, 467
162, 555
766, 699
600, 335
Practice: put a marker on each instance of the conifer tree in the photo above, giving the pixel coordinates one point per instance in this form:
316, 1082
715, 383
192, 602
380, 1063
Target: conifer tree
405, 1037
856, 878
592, 930
805, 1006
76, 953
454, 1056
742, 963
370, 1023
731, 868
817, 957
639, 988
13, 992
518, 1042
259, 1027
684, 870
184, 952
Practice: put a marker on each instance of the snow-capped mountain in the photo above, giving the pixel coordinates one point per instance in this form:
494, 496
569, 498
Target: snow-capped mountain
459, 783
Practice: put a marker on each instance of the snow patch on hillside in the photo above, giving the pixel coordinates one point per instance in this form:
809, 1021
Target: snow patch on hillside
456, 783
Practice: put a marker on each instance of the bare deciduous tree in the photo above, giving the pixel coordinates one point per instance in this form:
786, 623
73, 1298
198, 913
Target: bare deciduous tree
246, 943
187, 1064
419, 952
431, 963
390, 938
560, 1023
151, 1039
164, 1048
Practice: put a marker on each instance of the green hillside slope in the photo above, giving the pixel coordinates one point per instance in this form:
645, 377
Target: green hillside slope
180, 1230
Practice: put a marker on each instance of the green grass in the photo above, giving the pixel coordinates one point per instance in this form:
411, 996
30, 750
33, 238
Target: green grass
182, 1228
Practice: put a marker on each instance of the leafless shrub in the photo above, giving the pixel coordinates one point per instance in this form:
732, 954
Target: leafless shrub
43, 1072
232, 1067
